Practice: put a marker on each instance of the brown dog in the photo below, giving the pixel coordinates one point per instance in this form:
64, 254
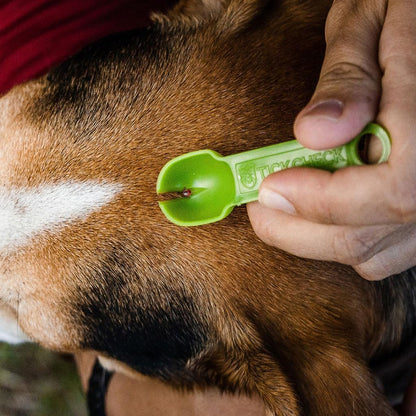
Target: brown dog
88, 261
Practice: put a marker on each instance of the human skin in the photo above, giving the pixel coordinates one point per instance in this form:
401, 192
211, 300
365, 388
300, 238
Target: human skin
361, 216
149, 397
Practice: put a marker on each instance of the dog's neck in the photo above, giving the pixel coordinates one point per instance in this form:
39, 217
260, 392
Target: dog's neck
53, 31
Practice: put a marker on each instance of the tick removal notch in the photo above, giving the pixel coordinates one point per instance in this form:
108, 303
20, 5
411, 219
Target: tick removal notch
203, 187
166, 196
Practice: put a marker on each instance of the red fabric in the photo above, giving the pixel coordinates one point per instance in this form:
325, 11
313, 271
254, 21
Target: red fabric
38, 34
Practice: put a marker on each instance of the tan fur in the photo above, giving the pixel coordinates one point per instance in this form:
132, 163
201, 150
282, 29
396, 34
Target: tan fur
295, 332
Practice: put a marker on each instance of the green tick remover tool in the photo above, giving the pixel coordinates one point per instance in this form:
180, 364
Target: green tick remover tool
206, 186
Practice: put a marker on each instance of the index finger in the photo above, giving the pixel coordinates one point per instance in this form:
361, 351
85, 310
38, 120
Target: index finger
369, 195
351, 196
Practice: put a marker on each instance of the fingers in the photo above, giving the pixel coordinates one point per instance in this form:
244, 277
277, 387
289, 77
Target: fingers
363, 216
375, 252
345, 99
398, 63
397, 254
353, 196
303, 238
385, 265
367, 195
348, 91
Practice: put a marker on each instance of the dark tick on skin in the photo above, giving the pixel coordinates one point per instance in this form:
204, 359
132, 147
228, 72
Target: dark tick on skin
186, 193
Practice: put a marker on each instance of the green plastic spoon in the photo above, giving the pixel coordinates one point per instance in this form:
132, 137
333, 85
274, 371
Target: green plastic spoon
208, 185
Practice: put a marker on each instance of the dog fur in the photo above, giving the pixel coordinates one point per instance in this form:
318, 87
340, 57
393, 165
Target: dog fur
103, 270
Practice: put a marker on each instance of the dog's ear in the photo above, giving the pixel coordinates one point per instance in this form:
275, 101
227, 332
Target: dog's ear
229, 15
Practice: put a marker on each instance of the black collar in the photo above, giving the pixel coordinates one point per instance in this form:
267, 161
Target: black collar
97, 389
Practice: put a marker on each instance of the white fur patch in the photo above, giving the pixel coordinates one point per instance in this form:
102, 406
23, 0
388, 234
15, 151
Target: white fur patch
10, 331
27, 212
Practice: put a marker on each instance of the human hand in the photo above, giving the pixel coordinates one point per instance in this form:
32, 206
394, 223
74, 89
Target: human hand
362, 216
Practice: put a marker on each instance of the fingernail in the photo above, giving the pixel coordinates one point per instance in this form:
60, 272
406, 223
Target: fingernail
331, 109
274, 200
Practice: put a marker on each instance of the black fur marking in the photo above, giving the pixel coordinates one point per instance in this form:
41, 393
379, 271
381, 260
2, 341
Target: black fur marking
155, 332
116, 65
397, 292
408, 284
395, 369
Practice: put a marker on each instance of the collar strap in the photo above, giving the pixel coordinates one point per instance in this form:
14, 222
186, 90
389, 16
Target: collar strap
97, 389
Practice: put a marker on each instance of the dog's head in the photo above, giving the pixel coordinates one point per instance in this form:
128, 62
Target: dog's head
87, 259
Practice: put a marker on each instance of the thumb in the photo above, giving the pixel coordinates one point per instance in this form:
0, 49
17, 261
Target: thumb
347, 94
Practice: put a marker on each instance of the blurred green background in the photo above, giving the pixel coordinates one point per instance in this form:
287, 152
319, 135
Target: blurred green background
36, 382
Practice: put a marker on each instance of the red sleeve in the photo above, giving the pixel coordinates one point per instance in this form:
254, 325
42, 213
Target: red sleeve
38, 34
